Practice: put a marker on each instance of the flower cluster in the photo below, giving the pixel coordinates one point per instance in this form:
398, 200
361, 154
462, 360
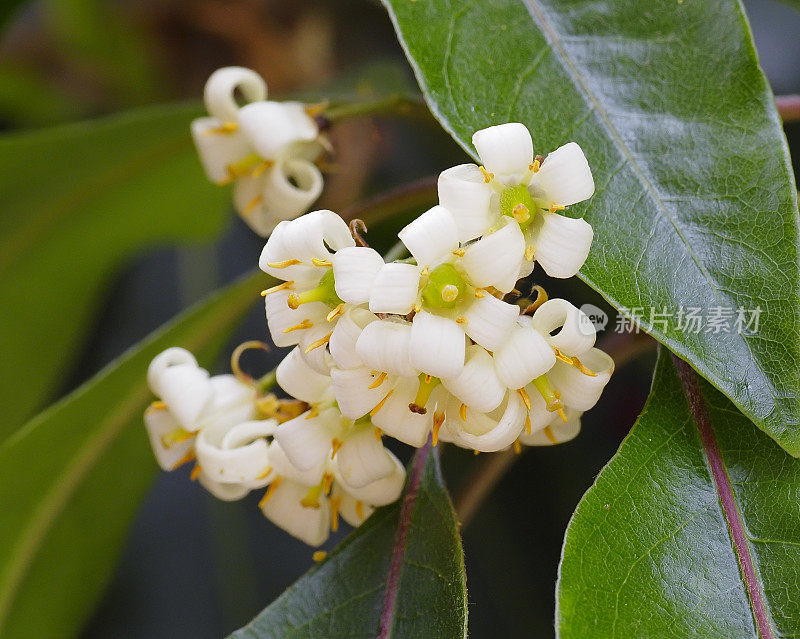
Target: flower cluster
265, 148
436, 347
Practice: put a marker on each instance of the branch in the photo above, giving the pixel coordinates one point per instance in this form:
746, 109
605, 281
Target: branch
788, 107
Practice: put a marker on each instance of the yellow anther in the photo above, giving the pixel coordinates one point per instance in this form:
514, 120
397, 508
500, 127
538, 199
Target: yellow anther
252, 205
261, 167
380, 404
517, 447
313, 412
319, 555
561, 413
270, 491
438, 420
528, 424
293, 301
378, 433
529, 252
521, 213
284, 263
573, 361
327, 483
280, 287
318, 262
556, 207
190, 456
487, 177
535, 166
339, 310
378, 381
313, 110
319, 342
549, 434
462, 412
425, 272
479, 292
459, 252
336, 444
428, 378
157, 405
525, 399
336, 501
195, 472
461, 320
311, 500
416, 308
449, 292
236, 369
360, 509
265, 474
306, 323
226, 128
476, 452
175, 437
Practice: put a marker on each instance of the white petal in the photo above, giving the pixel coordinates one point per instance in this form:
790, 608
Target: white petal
354, 271
290, 188
306, 440
383, 346
396, 419
225, 492
282, 466
217, 150
355, 512
248, 200
381, 492
477, 385
464, 192
562, 244
271, 127
299, 380
525, 356
564, 177
174, 356
182, 385
487, 432
490, 320
318, 357
576, 334
232, 402
283, 508
160, 422
220, 87
432, 237
244, 464
395, 289
495, 259
249, 431
437, 345
281, 318
345, 335
362, 459
580, 391
505, 149
559, 431
353, 393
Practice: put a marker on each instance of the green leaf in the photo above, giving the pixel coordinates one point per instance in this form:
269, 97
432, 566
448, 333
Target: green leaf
690, 528
78, 201
695, 205
71, 479
401, 574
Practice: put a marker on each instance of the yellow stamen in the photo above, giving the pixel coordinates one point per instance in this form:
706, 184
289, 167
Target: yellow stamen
279, 287
360, 509
461, 320
306, 323
462, 412
378, 381
574, 361
336, 501
318, 262
525, 399
293, 301
487, 177
284, 263
252, 205
190, 456
438, 420
479, 292
195, 472
416, 308
562, 414
378, 433
521, 213
327, 483
517, 447
476, 452
535, 166
528, 424
529, 251
557, 207
336, 444
225, 128
311, 500
313, 412
157, 405
319, 342
339, 310
549, 434
459, 252
175, 437
380, 404
270, 491
237, 354
266, 473
541, 298
428, 378
424, 272
313, 110
319, 555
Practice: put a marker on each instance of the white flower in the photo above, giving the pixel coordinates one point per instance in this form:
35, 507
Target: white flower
266, 148
513, 185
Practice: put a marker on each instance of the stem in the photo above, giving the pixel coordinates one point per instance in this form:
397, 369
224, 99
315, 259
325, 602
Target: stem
399, 105
491, 468
419, 194
266, 382
788, 107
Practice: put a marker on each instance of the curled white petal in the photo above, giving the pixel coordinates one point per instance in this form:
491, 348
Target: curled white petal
564, 177
285, 510
298, 379
384, 346
562, 244
222, 491
495, 259
437, 345
247, 463
490, 320
576, 333
354, 396
174, 356
525, 356
486, 432
362, 459
232, 402
217, 150
394, 289
354, 511
182, 385
578, 390
464, 192
160, 423
344, 338
558, 433
397, 420
431, 237
316, 356
307, 440
221, 85
281, 466
354, 271
285, 323
477, 385
380, 492
272, 127
505, 149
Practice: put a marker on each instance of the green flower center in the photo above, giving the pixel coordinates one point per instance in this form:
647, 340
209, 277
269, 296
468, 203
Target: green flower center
516, 202
324, 292
445, 287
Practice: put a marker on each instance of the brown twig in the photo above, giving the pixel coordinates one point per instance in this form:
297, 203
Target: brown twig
788, 107
419, 194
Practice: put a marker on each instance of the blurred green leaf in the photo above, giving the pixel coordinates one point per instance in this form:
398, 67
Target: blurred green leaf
27, 99
657, 546
346, 595
78, 201
695, 205
72, 479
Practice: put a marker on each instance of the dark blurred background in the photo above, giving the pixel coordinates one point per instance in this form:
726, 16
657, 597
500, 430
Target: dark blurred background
196, 567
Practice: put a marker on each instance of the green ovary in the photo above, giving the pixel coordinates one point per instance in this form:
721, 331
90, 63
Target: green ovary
445, 288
